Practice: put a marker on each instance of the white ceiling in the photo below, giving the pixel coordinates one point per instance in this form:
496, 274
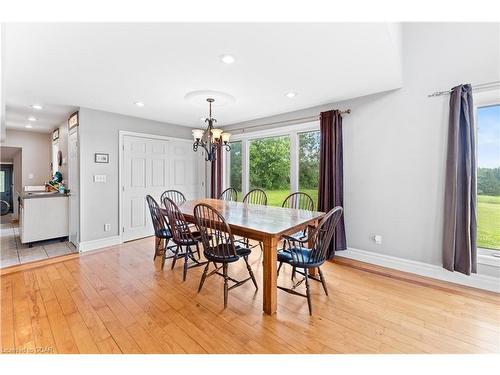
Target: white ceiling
110, 66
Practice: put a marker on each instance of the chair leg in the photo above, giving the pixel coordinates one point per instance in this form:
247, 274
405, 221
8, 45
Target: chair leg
224, 272
156, 248
323, 281
175, 257
293, 273
203, 277
198, 250
261, 246
308, 291
279, 267
251, 272
186, 257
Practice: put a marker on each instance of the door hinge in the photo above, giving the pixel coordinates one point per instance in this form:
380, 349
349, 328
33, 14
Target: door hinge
123, 229
123, 188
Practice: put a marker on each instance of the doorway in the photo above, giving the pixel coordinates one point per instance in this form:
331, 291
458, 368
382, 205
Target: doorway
6, 189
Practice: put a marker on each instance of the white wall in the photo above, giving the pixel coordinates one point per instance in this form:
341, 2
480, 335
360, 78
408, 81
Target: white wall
62, 145
17, 162
99, 133
2, 80
35, 155
395, 142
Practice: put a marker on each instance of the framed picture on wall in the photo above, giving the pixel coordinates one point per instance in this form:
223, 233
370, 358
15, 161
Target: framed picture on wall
55, 135
101, 158
73, 120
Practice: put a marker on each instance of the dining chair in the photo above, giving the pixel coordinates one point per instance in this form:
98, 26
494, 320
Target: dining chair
174, 195
230, 194
305, 259
254, 196
161, 228
219, 248
182, 236
298, 201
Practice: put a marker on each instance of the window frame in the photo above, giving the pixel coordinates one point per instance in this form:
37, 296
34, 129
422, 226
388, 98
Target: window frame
291, 131
488, 98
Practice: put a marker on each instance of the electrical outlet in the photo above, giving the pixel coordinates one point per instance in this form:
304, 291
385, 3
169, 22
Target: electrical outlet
107, 227
378, 239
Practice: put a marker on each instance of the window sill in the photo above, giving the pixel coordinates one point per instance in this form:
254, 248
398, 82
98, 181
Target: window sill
487, 257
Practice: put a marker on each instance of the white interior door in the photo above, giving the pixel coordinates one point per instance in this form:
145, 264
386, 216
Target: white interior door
151, 166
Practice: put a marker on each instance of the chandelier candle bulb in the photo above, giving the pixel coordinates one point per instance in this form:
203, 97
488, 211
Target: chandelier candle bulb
197, 134
216, 133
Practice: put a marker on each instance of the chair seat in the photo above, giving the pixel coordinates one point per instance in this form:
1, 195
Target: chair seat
243, 251
196, 239
163, 233
216, 254
300, 257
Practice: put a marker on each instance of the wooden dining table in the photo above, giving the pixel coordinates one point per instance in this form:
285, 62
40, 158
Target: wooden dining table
266, 224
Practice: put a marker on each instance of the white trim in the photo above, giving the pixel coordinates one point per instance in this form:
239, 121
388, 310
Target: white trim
99, 243
121, 135
488, 257
423, 269
280, 131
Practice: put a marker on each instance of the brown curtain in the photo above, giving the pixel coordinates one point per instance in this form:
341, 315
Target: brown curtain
331, 172
460, 227
216, 175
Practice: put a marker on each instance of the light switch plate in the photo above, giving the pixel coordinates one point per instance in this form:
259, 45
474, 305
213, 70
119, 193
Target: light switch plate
100, 178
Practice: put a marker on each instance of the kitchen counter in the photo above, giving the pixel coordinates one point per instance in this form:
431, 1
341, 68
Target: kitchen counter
41, 194
43, 219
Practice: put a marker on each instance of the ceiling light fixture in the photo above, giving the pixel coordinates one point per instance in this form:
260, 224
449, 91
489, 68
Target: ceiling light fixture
291, 94
28, 126
32, 118
38, 107
139, 104
211, 139
227, 59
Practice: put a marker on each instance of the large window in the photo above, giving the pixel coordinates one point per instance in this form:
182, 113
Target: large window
488, 177
270, 167
309, 164
278, 161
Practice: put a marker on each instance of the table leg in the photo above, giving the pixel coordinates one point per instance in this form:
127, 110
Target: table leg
270, 275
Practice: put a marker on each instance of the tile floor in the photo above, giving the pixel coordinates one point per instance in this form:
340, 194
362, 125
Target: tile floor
13, 252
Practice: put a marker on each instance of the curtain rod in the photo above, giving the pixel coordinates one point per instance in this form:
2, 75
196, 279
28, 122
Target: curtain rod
295, 120
474, 87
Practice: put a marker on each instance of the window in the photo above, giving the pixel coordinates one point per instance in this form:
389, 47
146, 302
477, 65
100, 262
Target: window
309, 164
488, 177
278, 161
270, 168
235, 167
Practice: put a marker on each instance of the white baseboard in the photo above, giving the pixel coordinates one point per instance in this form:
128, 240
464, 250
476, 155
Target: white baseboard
423, 269
99, 244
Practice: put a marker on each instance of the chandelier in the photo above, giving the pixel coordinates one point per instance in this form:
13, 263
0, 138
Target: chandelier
212, 138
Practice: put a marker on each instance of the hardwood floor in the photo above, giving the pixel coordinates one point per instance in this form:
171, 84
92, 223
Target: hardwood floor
119, 301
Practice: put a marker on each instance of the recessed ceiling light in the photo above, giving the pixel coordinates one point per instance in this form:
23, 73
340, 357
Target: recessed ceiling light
38, 107
139, 104
227, 59
28, 126
32, 118
291, 94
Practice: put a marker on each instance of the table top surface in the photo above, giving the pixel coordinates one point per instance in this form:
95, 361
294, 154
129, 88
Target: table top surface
258, 218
